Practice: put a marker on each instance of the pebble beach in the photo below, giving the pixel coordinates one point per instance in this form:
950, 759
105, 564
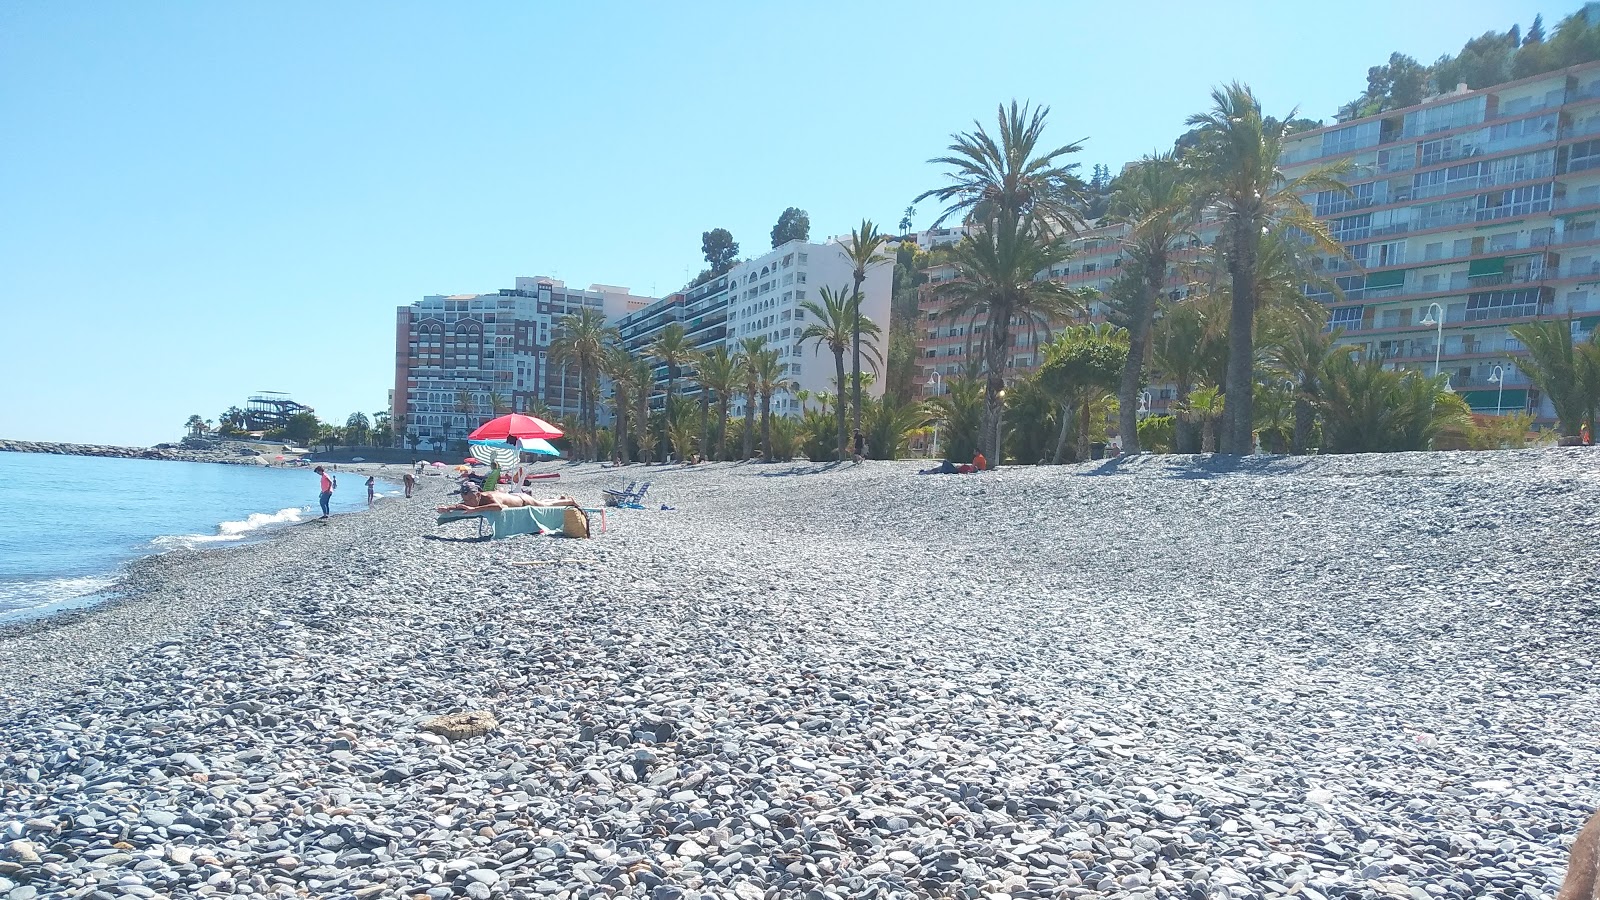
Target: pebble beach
1157, 677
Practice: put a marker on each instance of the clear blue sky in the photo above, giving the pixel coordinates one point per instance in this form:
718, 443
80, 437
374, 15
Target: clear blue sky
201, 200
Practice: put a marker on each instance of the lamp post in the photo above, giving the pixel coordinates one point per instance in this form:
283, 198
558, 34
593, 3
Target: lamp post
1000, 431
1438, 340
1498, 376
1144, 403
938, 390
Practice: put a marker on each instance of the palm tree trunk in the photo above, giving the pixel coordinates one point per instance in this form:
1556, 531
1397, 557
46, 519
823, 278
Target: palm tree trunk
1208, 435
855, 365
766, 427
998, 338
620, 427
666, 416
644, 425
722, 425
1128, 389
705, 422
1239, 411
1083, 428
1061, 438
749, 423
844, 439
1185, 437
1302, 425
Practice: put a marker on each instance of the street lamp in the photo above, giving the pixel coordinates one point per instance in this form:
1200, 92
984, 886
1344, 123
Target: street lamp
1438, 341
1498, 376
1000, 430
1144, 403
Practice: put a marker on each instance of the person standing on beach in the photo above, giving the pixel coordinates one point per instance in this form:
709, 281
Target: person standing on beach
372, 489
328, 484
411, 482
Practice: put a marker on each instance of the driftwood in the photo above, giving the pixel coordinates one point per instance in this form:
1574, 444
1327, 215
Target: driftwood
458, 726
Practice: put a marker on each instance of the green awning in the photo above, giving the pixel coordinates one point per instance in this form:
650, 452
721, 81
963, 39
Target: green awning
1494, 265
1397, 278
1484, 401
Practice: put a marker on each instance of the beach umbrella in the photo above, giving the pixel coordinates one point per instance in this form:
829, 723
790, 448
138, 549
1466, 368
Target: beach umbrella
437, 464
496, 453
540, 446
515, 426
471, 461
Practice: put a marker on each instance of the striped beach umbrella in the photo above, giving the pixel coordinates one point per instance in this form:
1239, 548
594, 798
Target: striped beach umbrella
495, 453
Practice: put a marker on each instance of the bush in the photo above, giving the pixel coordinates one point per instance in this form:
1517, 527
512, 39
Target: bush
1158, 434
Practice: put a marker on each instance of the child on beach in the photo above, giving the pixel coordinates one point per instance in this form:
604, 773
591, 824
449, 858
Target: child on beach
411, 482
372, 489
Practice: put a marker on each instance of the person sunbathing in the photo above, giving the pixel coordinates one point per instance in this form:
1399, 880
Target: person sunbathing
487, 501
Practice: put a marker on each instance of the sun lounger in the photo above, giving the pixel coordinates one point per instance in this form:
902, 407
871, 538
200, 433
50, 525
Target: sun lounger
504, 523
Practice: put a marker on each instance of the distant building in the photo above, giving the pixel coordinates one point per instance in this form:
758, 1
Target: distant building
763, 298
1467, 214
459, 359
701, 310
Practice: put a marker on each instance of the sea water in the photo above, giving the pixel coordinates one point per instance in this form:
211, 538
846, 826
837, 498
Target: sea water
69, 523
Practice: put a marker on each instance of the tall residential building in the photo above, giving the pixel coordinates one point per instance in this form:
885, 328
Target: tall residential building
763, 300
458, 358
701, 310
1469, 213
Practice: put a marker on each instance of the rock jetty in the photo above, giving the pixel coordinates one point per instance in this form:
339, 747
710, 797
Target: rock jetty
229, 452
1353, 677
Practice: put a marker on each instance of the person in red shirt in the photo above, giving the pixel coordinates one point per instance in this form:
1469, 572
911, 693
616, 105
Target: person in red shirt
328, 484
978, 462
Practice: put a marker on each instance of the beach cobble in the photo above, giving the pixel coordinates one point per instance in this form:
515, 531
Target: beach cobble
1152, 678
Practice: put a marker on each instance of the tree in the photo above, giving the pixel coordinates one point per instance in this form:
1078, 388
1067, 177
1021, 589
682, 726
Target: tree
891, 423
196, 426
618, 366
498, 405
750, 349
580, 343
835, 321
720, 249
768, 379
960, 410
1369, 409
1236, 168
1204, 407
1081, 363
995, 281
1401, 82
1010, 179
793, 225
356, 428
865, 250
1153, 200
905, 220
1568, 373
719, 372
301, 429
1302, 355
643, 379
671, 347
382, 429
1190, 345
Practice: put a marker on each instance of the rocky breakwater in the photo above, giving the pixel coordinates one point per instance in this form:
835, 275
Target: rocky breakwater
1326, 678
217, 451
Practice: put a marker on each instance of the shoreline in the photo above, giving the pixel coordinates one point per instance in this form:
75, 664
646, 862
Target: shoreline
980, 683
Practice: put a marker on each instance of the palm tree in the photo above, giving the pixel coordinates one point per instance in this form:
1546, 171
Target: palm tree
864, 251
356, 428
195, 425
995, 280
1189, 345
498, 406
580, 343
750, 349
1080, 365
1563, 371
837, 321
719, 373
1302, 354
1235, 161
1204, 406
767, 373
618, 366
1011, 180
671, 347
642, 378
1367, 408
1153, 201
960, 410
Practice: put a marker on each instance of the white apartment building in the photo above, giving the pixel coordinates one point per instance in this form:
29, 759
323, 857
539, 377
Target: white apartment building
764, 297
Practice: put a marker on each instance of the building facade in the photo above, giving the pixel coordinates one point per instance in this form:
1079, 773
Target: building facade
1469, 213
764, 297
702, 311
461, 359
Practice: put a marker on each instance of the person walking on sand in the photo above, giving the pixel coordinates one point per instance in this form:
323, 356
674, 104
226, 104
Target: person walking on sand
328, 485
411, 482
372, 490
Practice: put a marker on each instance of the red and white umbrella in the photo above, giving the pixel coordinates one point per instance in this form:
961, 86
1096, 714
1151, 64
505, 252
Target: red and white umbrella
515, 427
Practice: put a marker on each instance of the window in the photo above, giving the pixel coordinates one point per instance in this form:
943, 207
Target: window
799, 314
1390, 253
1502, 304
802, 258
1346, 317
1434, 250
800, 277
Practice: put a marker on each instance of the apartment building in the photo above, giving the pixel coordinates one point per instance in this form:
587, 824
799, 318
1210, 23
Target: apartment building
456, 355
764, 297
701, 310
1467, 214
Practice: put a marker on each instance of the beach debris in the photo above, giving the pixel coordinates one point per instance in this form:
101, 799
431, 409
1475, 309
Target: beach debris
459, 726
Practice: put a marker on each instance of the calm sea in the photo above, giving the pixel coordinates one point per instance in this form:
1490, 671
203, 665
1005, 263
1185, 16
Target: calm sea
69, 523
